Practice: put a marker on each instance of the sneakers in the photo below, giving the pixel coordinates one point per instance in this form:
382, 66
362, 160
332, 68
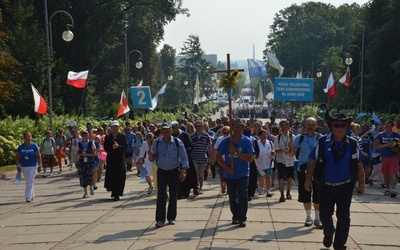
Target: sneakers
393, 194
171, 222
269, 194
85, 195
282, 199
261, 191
309, 222
196, 192
91, 190
328, 238
288, 196
200, 191
318, 224
150, 190
60, 172
235, 222
160, 224
387, 193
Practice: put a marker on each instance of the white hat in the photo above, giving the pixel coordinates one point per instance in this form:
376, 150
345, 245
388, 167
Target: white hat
99, 137
114, 123
174, 123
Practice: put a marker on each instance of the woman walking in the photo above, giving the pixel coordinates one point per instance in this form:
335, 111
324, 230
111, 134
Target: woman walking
86, 153
27, 160
48, 150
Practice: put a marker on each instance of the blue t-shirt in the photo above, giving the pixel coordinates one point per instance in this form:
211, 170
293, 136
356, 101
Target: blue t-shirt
305, 147
340, 171
28, 155
385, 138
129, 137
245, 146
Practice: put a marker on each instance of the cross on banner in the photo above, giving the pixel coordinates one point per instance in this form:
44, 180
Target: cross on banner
229, 71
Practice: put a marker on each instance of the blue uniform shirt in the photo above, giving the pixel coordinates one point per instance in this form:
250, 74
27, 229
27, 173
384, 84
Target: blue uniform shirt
28, 155
245, 146
336, 172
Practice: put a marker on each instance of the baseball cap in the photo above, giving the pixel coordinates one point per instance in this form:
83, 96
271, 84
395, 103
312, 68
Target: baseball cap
165, 125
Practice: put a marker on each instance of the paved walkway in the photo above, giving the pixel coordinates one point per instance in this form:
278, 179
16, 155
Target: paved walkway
60, 219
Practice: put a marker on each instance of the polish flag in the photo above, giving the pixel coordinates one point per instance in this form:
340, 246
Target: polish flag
123, 107
40, 104
345, 80
140, 83
330, 87
77, 79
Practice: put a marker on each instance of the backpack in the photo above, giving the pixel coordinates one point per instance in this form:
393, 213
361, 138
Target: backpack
297, 153
51, 139
320, 166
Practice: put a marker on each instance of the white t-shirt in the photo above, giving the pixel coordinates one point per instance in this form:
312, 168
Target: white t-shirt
280, 144
265, 154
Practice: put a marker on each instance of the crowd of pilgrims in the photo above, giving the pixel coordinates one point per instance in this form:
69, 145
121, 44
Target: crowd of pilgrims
85, 152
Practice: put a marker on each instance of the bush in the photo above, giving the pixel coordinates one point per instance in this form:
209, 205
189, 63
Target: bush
12, 129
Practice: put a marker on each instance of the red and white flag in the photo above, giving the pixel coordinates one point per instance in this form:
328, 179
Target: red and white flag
123, 107
140, 83
330, 87
345, 80
40, 104
77, 79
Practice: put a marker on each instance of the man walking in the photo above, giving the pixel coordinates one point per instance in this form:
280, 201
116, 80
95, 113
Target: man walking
172, 162
237, 176
303, 144
336, 164
201, 144
390, 160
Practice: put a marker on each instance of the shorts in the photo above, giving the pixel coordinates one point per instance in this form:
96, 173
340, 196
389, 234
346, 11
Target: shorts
128, 155
267, 171
305, 196
390, 166
285, 172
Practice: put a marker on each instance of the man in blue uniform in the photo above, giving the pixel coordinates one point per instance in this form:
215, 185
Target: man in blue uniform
237, 178
336, 164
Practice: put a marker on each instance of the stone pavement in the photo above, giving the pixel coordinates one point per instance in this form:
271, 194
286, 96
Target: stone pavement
60, 219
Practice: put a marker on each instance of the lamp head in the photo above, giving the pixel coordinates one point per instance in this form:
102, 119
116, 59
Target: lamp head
139, 65
348, 61
67, 36
319, 74
170, 77
186, 83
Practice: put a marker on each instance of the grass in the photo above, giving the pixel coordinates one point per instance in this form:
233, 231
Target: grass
7, 168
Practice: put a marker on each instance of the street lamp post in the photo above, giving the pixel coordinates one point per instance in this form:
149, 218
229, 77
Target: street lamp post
138, 65
67, 36
349, 61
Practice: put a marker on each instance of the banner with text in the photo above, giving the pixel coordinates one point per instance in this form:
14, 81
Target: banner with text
293, 89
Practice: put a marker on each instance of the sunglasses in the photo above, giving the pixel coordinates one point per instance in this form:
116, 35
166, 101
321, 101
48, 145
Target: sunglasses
339, 125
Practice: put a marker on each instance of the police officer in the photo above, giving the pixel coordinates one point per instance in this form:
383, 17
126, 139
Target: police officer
336, 164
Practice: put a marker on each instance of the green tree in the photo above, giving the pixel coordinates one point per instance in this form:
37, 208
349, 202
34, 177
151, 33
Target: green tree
382, 53
313, 36
193, 64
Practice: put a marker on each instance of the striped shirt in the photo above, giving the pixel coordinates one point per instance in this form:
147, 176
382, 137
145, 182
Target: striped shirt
200, 144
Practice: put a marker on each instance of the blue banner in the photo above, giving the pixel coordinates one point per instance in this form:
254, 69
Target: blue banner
294, 89
256, 68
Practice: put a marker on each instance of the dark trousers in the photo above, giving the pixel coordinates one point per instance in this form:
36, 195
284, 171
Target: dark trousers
189, 183
252, 180
171, 179
237, 192
340, 196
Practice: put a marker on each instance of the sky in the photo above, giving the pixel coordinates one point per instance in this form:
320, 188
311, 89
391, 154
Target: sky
230, 26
